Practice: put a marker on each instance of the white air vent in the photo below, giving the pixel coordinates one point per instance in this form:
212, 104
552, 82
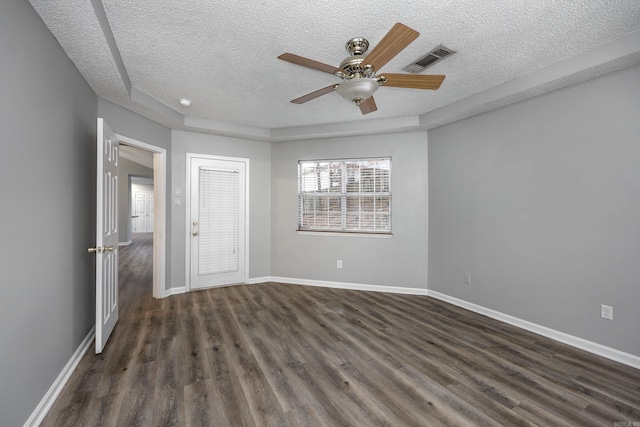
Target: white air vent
428, 60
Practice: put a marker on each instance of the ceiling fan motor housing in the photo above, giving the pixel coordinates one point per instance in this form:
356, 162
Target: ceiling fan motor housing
352, 66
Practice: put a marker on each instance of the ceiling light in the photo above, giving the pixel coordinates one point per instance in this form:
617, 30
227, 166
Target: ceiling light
184, 102
357, 90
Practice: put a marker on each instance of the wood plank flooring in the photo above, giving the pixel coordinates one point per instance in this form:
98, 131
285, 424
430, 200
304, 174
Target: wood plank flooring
286, 355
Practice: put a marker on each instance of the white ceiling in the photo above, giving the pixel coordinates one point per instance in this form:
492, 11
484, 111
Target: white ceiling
136, 155
146, 54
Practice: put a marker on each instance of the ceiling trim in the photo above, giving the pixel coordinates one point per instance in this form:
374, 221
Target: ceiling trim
353, 128
101, 16
226, 129
613, 56
148, 101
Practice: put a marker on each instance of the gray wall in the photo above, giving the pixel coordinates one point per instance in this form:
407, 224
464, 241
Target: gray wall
132, 125
540, 203
398, 261
47, 206
259, 155
127, 168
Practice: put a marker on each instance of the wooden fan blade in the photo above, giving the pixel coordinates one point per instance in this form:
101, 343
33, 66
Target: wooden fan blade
314, 95
368, 106
399, 37
309, 63
413, 81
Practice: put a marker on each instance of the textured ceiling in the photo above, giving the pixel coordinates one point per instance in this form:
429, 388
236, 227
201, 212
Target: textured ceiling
146, 54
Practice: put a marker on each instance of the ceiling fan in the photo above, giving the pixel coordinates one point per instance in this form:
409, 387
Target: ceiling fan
358, 71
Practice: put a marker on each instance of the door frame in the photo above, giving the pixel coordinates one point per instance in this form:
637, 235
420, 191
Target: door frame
159, 211
187, 250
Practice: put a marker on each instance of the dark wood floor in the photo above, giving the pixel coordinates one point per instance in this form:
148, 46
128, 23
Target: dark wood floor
285, 355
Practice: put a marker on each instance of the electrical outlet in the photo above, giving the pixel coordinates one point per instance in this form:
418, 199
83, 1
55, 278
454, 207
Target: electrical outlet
339, 263
606, 312
467, 278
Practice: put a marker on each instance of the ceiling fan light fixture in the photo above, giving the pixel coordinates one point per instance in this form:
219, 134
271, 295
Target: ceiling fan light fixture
357, 90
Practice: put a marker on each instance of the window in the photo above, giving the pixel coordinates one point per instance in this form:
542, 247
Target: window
345, 195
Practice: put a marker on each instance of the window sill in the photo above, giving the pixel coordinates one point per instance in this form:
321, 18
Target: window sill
345, 234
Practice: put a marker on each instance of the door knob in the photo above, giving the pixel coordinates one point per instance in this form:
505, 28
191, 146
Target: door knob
194, 234
100, 249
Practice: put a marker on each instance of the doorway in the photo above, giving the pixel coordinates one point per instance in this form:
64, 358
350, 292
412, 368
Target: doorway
158, 162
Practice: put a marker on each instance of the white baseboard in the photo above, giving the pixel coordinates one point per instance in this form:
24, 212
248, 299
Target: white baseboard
351, 286
590, 346
127, 243
175, 291
256, 280
183, 289
52, 394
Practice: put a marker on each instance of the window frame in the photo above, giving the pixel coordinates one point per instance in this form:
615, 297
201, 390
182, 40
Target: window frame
343, 196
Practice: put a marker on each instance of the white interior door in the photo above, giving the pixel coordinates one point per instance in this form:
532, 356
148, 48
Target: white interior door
106, 249
143, 212
217, 221
139, 212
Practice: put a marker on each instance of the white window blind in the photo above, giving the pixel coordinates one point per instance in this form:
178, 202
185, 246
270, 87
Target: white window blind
345, 195
218, 215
